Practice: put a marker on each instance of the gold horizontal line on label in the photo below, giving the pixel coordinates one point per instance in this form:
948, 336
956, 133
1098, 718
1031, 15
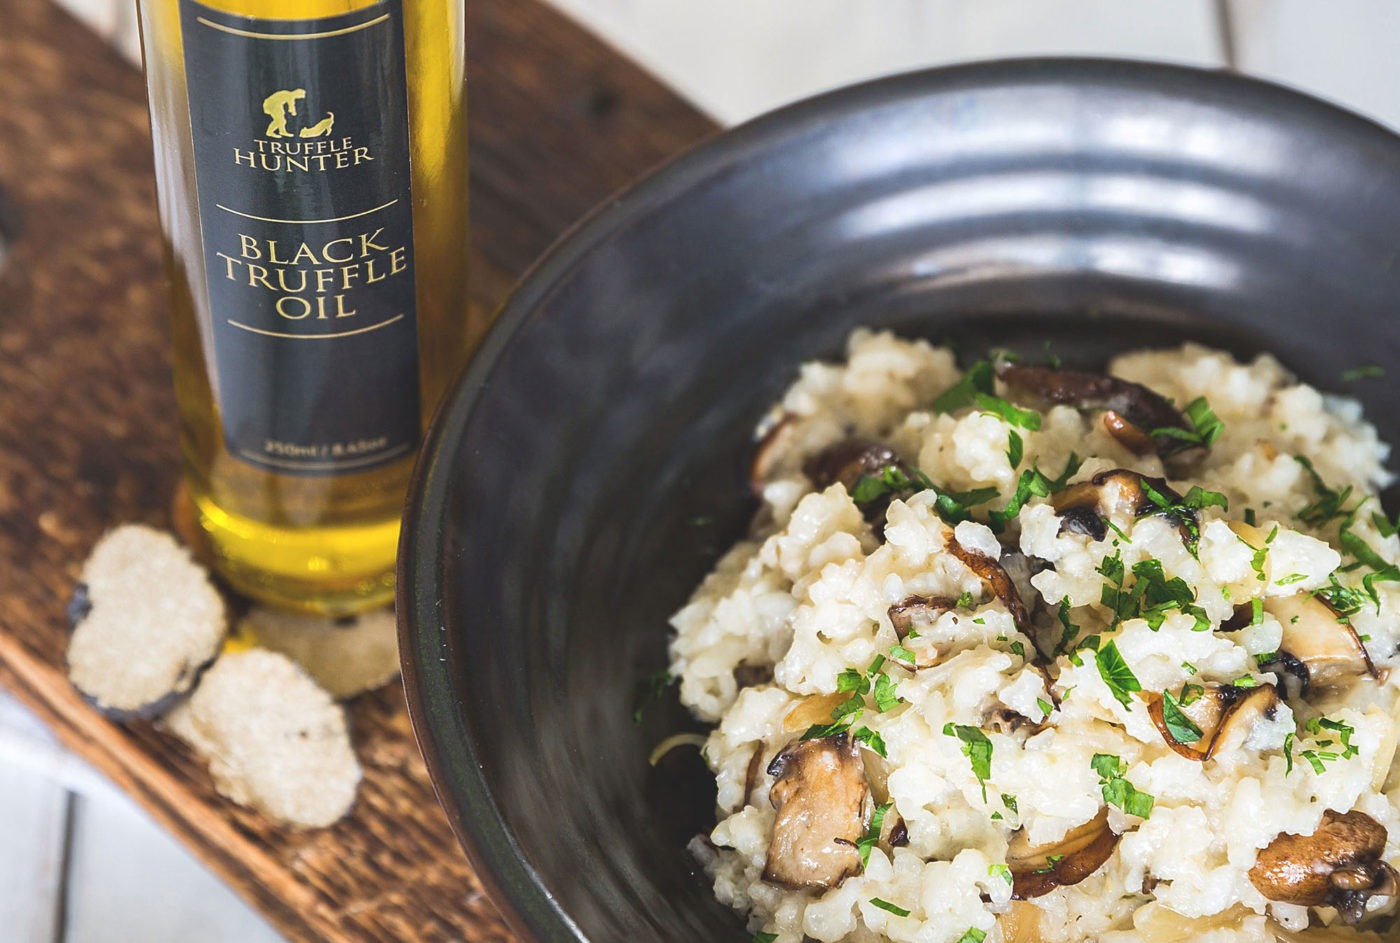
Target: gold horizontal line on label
318, 337
335, 32
321, 466
306, 222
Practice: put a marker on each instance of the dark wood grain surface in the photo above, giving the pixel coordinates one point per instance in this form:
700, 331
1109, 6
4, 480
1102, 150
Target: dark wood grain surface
87, 418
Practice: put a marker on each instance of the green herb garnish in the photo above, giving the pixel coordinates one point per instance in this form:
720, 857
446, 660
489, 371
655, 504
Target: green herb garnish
1117, 791
1181, 727
1116, 674
1204, 425
872, 835
977, 748
886, 905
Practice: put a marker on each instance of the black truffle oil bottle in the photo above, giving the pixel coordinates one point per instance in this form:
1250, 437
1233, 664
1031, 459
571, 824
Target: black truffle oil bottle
311, 163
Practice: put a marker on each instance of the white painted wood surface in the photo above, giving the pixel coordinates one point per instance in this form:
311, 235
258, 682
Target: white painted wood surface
80, 864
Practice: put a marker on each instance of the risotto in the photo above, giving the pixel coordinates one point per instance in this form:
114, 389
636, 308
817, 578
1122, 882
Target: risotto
1023, 653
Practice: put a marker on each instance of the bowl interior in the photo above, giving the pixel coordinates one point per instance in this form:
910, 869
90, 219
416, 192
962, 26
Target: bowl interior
589, 468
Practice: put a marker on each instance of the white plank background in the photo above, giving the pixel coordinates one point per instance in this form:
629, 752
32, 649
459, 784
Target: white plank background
79, 863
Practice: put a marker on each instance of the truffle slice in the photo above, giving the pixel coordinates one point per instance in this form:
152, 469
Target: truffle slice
345, 656
274, 740
145, 621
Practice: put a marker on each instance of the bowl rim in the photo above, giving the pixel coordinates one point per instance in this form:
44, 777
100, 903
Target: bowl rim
461, 788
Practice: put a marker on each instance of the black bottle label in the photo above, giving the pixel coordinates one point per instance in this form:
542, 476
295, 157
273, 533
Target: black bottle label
301, 153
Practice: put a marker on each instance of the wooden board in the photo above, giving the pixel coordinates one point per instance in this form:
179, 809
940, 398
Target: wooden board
87, 418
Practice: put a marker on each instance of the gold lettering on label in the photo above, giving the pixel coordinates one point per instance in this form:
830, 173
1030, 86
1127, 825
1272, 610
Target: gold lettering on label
348, 257
283, 305
367, 242
243, 157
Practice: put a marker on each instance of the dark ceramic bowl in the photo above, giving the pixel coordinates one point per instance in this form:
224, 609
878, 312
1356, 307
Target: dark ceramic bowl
589, 466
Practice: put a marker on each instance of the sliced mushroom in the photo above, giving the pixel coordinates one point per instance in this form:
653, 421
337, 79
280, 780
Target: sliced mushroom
752, 773
1038, 871
1119, 494
812, 710
1319, 646
1339, 865
823, 803
1021, 923
847, 461
1002, 586
1135, 409
1225, 715
916, 614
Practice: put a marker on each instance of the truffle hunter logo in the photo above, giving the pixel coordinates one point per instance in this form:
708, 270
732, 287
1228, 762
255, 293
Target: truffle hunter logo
290, 145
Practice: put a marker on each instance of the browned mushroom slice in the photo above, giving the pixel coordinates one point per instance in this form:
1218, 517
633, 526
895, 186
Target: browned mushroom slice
1223, 716
1038, 871
823, 803
1339, 865
1119, 494
847, 461
913, 616
752, 773
1319, 646
992, 573
1136, 409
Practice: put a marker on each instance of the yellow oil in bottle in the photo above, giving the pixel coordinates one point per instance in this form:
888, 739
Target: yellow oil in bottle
314, 542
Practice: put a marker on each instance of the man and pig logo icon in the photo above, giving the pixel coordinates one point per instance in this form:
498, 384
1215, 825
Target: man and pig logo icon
281, 105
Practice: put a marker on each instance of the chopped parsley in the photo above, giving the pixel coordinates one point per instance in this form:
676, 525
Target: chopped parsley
977, 379
1330, 503
651, 688
1189, 668
1116, 674
1181, 727
973, 935
966, 600
1017, 648
1118, 791
886, 905
893, 479
763, 936
1343, 731
1069, 632
884, 693
1045, 706
1345, 600
1190, 694
996, 406
857, 684
1001, 871
1204, 425
1288, 754
977, 748
1152, 595
902, 655
871, 838
1015, 448
1032, 483
1366, 371
872, 740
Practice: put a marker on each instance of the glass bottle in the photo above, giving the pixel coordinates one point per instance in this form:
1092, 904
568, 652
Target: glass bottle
311, 168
